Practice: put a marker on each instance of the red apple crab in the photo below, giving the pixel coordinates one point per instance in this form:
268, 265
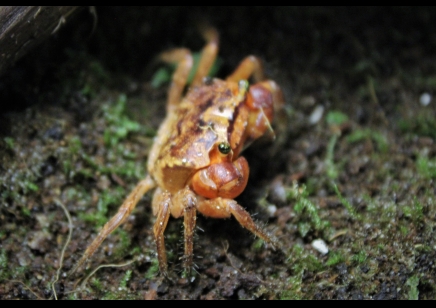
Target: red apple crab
195, 163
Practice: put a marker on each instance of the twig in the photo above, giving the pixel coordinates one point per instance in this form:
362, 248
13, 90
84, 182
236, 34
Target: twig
61, 259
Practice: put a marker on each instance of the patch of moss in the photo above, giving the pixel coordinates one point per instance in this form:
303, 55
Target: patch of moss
96, 283
107, 198
331, 169
426, 167
10, 143
300, 262
345, 202
25, 211
335, 258
304, 206
4, 273
415, 211
375, 136
123, 283
413, 283
258, 244
360, 257
422, 125
336, 118
119, 125
153, 270
124, 242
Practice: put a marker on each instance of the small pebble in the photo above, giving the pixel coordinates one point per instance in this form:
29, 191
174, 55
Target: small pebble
272, 209
320, 246
425, 99
316, 115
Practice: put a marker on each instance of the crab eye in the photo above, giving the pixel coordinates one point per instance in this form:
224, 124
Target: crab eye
224, 148
243, 85
208, 81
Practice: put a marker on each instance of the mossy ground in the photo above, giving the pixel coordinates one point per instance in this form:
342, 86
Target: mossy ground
78, 119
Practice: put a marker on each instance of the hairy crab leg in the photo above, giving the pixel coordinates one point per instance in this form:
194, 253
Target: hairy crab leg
124, 211
250, 66
183, 58
190, 218
208, 55
163, 200
223, 208
185, 203
245, 220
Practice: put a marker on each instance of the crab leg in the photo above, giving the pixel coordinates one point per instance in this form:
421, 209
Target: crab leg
208, 55
190, 218
124, 211
244, 218
164, 203
250, 66
184, 203
223, 208
183, 58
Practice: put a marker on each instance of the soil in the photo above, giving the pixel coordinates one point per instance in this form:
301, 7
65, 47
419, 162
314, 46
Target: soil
347, 186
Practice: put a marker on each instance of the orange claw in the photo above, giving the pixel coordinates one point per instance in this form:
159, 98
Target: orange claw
227, 180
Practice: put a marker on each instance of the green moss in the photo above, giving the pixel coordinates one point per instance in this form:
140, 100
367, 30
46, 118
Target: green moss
375, 136
422, 125
413, 283
300, 261
334, 258
293, 290
119, 125
304, 206
426, 167
331, 169
107, 198
123, 295
153, 270
360, 257
74, 145
25, 211
96, 283
127, 276
258, 244
10, 143
72, 296
404, 230
381, 248
415, 211
336, 118
161, 76
31, 186
135, 250
123, 244
4, 273
345, 202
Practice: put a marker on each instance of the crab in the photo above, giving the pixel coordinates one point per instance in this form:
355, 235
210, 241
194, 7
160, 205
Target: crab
194, 164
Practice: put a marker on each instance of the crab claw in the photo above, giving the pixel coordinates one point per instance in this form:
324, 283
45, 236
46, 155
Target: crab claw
226, 179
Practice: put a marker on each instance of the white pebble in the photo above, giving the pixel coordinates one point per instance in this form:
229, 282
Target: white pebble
425, 99
321, 246
316, 115
272, 209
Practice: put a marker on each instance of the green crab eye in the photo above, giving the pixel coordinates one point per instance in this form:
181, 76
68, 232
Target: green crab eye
243, 85
224, 148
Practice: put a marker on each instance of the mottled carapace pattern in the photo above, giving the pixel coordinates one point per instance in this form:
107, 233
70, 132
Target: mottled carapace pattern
205, 118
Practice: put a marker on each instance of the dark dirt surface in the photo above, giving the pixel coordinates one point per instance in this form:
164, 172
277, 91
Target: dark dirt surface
353, 165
